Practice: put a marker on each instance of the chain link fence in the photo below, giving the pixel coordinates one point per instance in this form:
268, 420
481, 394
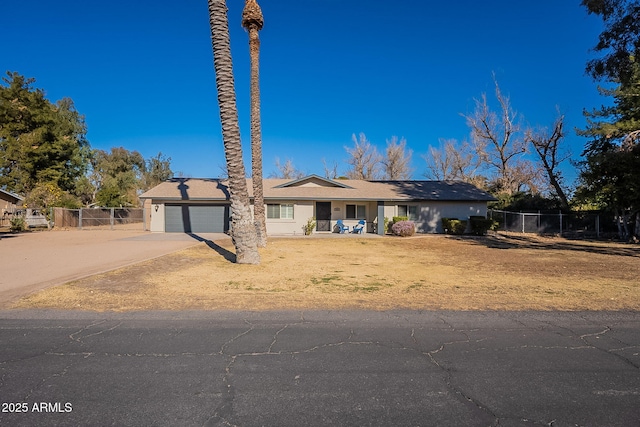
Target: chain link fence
575, 224
100, 218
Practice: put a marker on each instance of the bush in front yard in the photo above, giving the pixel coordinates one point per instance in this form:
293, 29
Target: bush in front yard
394, 220
480, 225
454, 226
403, 228
18, 223
309, 226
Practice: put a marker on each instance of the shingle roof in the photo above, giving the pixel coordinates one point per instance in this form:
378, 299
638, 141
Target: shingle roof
438, 190
312, 188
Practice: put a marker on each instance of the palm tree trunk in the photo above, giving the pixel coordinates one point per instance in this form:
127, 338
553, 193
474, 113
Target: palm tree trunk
252, 21
256, 139
242, 227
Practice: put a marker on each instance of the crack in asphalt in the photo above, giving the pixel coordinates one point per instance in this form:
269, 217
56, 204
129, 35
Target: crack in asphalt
224, 412
275, 338
611, 351
251, 328
477, 402
66, 368
72, 336
457, 391
51, 351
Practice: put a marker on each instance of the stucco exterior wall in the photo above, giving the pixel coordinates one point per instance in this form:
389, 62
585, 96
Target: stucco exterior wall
429, 215
156, 212
339, 211
302, 211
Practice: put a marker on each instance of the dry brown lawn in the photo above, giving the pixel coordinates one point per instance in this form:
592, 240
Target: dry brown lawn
502, 272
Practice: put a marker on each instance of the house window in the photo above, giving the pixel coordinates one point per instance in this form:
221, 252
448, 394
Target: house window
280, 211
410, 211
356, 212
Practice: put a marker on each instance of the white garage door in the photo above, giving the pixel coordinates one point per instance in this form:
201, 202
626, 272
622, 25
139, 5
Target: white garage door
196, 218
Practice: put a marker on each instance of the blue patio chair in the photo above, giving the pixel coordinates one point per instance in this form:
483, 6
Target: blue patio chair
359, 227
341, 227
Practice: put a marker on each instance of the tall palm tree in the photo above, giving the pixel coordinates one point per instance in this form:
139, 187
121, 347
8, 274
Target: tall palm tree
242, 226
253, 21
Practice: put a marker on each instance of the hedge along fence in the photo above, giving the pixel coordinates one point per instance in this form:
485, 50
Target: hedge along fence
479, 225
110, 218
454, 226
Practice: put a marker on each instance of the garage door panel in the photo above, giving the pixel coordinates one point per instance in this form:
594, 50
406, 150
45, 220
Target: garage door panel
196, 218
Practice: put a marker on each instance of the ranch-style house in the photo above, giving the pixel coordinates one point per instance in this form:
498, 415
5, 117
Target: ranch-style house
196, 205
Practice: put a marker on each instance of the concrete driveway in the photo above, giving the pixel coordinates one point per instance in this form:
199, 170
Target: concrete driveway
36, 260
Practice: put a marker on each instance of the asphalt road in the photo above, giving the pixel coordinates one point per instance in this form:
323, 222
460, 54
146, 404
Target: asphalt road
319, 369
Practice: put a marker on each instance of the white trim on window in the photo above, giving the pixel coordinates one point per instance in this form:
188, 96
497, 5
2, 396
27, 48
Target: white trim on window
280, 211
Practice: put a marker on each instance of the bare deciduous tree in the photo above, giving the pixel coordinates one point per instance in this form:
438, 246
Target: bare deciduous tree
286, 170
549, 151
330, 172
497, 139
364, 159
224, 173
440, 161
454, 161
527, 176
397, 163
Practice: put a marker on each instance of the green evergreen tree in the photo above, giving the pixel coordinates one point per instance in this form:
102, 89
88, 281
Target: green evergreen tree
610, 171
40, 142
619, 41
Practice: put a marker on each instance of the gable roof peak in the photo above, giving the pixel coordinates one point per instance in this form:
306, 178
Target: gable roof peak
321, 181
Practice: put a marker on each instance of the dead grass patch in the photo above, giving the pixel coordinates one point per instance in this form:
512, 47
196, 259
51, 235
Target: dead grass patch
425, 272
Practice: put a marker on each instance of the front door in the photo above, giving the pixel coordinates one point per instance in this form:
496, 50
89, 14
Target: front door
323, 216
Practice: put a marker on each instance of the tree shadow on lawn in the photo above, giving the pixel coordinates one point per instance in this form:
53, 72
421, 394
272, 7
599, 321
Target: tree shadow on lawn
501, 241
228, 255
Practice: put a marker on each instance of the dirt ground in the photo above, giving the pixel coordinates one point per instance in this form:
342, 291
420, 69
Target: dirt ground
501, 272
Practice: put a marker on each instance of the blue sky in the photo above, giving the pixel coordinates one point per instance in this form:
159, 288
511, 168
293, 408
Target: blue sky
142, 72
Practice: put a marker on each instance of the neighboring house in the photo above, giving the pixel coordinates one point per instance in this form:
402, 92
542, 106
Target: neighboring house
202, 205
9, 203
